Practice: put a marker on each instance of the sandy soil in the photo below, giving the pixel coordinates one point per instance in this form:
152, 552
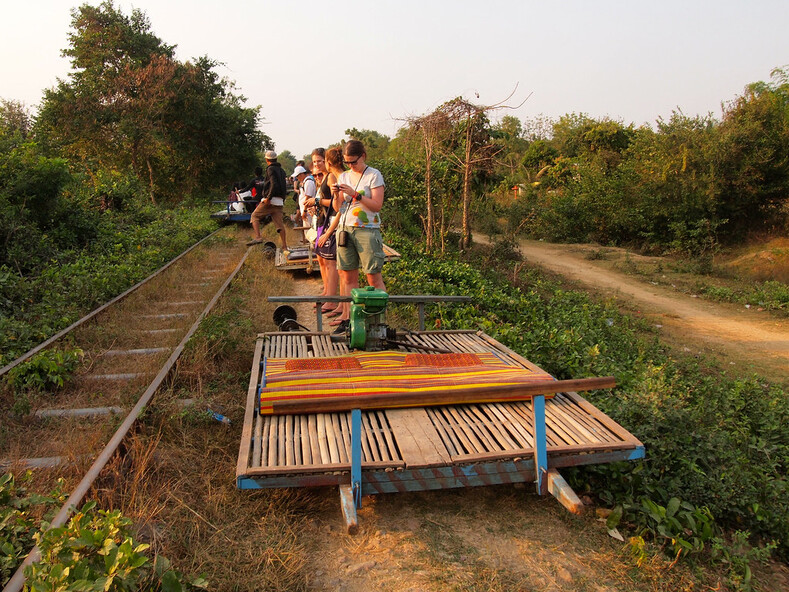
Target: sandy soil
746, 338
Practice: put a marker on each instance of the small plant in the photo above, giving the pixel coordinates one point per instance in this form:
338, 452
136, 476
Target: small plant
95, 551
738, 554
47, 369
19, 516
679, 526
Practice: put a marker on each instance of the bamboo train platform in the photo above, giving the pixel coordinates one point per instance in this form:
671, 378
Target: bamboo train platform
303, 257
391, 449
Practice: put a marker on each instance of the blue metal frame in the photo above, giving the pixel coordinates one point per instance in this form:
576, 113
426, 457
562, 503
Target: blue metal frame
356, 457
540, 444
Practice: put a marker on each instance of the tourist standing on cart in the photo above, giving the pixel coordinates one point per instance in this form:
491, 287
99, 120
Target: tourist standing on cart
274, 192
329, 163
359, 241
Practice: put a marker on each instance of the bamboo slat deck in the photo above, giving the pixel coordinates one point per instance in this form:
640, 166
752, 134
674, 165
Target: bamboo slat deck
303, 257
419, 448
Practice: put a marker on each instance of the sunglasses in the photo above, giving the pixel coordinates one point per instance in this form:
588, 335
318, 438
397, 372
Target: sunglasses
350, 162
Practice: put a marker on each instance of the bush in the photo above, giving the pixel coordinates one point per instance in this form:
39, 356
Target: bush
712, 441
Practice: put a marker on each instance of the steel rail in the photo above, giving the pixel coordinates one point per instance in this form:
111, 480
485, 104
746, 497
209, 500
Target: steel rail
17, 581
92, 314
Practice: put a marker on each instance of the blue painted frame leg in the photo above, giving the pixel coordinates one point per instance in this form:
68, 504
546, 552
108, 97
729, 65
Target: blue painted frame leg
540, 444
356, 456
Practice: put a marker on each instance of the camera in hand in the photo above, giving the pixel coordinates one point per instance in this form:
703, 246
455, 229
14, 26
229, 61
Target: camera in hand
342, 238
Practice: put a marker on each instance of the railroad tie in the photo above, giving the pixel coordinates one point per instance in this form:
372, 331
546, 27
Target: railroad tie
135, 352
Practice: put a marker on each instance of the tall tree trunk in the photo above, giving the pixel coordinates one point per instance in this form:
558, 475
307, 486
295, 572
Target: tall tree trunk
150, 179
465, 241
428, 186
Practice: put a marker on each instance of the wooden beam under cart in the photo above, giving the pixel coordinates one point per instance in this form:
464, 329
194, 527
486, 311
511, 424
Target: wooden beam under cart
492, 394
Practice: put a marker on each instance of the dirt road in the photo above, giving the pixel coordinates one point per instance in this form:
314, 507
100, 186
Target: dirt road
745, 338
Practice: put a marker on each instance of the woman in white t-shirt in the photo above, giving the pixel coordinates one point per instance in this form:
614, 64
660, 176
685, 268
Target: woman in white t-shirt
361, 196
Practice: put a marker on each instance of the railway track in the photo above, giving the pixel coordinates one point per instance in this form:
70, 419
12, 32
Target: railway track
130, 346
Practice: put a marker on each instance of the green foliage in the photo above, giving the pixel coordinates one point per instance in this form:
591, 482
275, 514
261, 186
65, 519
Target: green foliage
712, 441
130, 106
20, 513
95, 551
376, 144
50, 368
60, 287
679, 527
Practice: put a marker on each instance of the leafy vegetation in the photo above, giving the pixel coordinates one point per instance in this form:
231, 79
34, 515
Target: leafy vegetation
95, 550
718, 444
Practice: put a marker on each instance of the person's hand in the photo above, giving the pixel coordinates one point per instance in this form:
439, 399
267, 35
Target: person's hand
346, 189
322, 240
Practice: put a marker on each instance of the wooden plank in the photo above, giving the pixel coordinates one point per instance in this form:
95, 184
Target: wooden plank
559, 489
297, 458
304, 430
488, 417
345, 427
596, 427
371, 436
312, 430
281, 436
562, 421
417, 439
258, 442
499, 346
387, 433
442, 425
272, 443
249, 413
290, 434
332, 436
340, 435
483, 437
323, 468
523, 439
323, 440
465, 433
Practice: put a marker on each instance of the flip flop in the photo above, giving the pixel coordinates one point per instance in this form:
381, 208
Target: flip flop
338, 322
325, 310
334, 313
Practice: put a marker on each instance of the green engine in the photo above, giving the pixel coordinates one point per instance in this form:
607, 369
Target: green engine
368, 330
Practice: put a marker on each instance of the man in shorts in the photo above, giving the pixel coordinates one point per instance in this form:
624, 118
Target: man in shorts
272, 202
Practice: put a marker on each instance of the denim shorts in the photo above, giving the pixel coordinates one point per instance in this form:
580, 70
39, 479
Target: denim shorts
364, 250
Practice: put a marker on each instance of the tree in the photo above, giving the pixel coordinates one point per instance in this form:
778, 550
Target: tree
288, 161
469, 149
374, 142
752, 161
129, 106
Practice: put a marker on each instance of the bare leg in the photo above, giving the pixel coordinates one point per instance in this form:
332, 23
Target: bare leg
376, 280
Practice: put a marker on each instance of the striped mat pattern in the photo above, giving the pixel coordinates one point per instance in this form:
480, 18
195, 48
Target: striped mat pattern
376, 373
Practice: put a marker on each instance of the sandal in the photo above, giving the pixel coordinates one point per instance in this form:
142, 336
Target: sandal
325, 310
334, 313
342, 327
338, 322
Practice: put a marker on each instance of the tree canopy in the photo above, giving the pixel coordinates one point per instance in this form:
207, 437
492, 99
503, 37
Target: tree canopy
128, 105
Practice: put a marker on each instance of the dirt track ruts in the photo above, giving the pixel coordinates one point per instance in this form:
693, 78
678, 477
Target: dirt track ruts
749, 338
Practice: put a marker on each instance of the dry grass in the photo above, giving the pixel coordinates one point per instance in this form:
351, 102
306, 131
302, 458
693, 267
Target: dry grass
177, 481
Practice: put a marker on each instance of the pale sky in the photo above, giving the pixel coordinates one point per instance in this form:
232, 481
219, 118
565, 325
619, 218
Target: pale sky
318, 68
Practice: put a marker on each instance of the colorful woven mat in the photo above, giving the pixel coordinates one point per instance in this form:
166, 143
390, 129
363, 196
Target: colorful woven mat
376, 373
